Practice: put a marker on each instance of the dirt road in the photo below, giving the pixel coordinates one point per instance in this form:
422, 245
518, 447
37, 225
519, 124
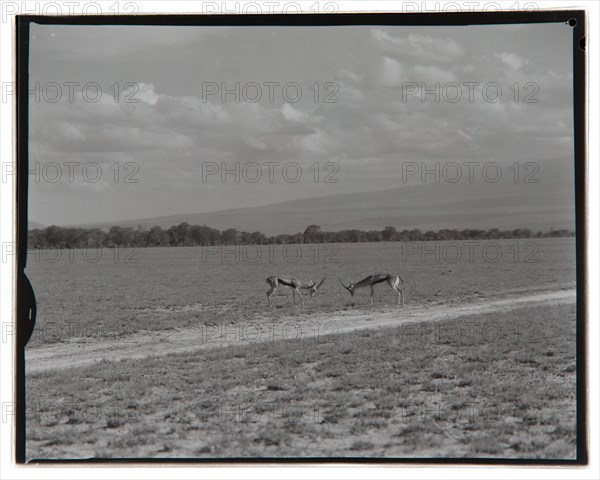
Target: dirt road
207, 336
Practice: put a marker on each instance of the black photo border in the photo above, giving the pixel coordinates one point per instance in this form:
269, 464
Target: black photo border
25, 297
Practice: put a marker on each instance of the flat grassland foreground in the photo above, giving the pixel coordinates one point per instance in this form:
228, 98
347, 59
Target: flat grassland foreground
174, 352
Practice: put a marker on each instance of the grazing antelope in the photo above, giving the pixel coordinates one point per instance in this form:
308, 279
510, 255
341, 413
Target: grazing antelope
392, 280
294, 284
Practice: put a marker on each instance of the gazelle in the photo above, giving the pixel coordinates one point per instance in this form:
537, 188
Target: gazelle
294, 284
392, 280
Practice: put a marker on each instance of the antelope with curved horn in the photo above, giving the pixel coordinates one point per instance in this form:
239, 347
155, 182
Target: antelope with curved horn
294, 284
392, 280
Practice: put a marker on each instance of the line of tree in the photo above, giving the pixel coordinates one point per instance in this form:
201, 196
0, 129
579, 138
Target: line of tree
185, 234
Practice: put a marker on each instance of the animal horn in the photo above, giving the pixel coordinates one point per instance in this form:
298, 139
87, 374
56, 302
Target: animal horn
347, 288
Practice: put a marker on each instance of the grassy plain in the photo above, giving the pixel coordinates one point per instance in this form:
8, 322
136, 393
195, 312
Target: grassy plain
498, 384
152, 289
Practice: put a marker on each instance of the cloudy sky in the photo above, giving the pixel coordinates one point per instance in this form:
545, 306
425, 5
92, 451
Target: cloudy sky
175, 128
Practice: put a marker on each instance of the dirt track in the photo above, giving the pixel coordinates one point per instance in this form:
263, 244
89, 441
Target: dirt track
156, 344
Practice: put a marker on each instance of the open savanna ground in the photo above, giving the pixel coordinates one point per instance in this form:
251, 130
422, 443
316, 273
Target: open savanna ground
480, 362
126, 291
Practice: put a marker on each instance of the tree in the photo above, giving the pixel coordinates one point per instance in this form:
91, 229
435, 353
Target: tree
119, 236
157, 237
389, 234
186, 234
183, 233
311, 234
374, 236
95, 238
37, 239
258, 238
415, 235
55, 236
230, 237
246, 238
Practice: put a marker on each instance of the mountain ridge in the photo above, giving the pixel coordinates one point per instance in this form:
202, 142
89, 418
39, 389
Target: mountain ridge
423, 206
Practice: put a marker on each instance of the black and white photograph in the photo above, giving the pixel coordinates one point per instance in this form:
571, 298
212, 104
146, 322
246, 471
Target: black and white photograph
340, 237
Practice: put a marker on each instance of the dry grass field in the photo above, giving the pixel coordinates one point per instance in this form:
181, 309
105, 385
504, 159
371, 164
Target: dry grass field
480, 362
153, 289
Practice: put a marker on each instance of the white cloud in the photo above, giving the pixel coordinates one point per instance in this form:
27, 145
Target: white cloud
346, 74
70, 132
432, 74
391, 73
255, 143
293, 115
512, 60
316, 143
421, 46
171, 130
146, 93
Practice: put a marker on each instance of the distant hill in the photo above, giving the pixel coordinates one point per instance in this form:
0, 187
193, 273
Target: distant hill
33, 225
434, 206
